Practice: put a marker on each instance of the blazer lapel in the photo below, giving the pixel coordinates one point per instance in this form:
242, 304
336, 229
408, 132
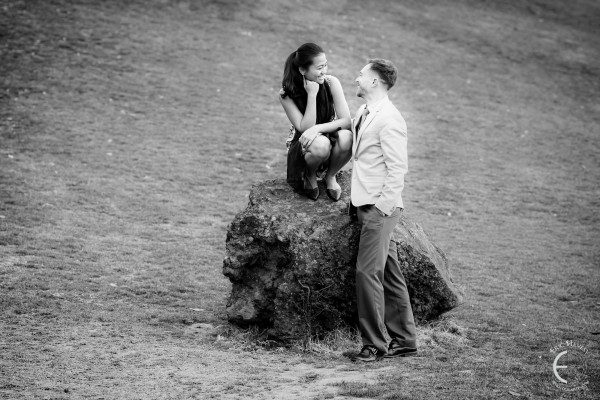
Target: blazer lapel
381, 108
357, 118
367, 121
354, 123
364, 125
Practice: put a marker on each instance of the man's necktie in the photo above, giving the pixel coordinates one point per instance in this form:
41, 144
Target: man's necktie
362, 119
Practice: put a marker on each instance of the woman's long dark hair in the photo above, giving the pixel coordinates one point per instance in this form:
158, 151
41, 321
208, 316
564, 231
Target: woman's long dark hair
293, 83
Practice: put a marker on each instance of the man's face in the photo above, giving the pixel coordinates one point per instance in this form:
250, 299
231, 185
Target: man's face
365, 81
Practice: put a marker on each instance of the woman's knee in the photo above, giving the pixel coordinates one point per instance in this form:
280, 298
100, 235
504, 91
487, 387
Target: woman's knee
320, 147
344, 140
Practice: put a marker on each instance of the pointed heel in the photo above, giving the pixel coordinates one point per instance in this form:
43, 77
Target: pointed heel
334, 194
312, 193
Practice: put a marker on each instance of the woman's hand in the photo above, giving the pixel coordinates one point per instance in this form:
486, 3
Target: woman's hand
309, 135
311, 87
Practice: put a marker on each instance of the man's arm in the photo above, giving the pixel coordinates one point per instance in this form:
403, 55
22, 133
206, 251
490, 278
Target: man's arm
393, 139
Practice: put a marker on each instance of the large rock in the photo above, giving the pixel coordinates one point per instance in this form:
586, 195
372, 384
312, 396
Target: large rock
291, 262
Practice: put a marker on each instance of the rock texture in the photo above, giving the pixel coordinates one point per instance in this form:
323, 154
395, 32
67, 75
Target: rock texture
291, 263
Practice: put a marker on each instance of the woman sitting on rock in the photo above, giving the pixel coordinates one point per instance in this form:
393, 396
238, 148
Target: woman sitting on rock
319, 140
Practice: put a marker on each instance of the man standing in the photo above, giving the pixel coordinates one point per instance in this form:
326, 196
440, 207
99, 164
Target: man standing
380, 163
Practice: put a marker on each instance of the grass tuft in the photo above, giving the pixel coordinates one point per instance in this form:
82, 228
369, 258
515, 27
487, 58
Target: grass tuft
443, 332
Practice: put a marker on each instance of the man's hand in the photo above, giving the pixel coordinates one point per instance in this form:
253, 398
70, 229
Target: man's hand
384, 214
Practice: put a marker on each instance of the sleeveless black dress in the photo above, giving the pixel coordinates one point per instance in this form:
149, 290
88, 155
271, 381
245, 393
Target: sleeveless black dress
296, 165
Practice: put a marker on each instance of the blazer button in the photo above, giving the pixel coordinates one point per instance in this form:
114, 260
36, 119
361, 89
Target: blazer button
355, 158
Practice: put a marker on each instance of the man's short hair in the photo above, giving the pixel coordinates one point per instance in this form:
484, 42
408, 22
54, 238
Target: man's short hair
386, 70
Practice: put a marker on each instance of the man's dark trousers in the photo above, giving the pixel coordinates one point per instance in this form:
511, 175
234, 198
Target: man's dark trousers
382, 296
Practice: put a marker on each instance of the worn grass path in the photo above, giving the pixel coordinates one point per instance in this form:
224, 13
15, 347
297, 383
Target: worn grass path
130, 135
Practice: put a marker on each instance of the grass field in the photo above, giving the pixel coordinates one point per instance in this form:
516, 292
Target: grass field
131, 133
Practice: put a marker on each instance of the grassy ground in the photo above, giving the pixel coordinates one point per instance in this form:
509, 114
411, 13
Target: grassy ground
131, 134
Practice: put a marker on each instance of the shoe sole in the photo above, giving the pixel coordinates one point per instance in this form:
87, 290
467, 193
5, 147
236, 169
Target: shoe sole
361, 360
409, 354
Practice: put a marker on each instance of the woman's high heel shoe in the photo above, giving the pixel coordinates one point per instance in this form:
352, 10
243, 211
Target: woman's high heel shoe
311, 193
334, 194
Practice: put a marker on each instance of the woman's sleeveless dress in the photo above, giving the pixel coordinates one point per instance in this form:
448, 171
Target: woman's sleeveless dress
296, 165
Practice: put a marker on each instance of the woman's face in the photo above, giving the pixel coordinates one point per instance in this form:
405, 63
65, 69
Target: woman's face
318, 69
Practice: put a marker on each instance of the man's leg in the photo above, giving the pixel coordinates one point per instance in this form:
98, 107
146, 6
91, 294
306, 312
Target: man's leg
399, 319
375, 236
